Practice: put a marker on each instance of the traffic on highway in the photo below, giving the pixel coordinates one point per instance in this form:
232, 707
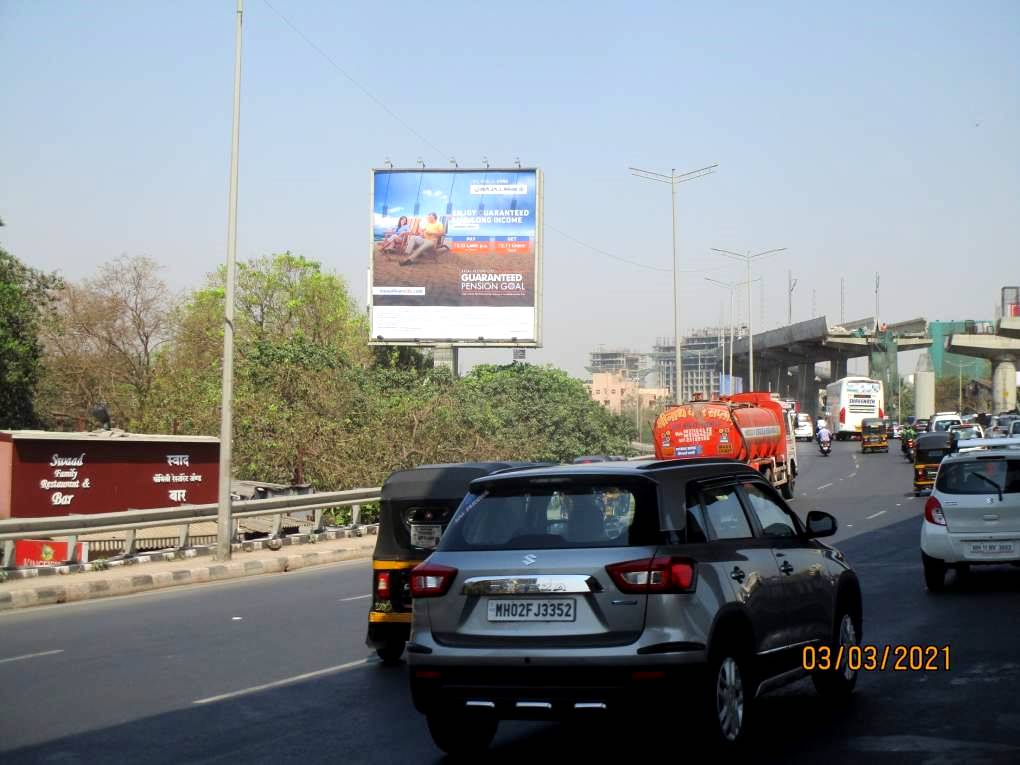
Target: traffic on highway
561, 603
567, 383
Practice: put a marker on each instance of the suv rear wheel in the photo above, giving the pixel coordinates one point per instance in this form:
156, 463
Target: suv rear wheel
459, 734
729, 695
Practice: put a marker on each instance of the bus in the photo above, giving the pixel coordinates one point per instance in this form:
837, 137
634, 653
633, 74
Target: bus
849, 401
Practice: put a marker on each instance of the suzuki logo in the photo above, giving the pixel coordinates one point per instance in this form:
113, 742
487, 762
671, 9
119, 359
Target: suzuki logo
529, 559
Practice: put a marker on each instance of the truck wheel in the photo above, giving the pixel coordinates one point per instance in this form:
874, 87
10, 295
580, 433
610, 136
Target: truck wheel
787, 488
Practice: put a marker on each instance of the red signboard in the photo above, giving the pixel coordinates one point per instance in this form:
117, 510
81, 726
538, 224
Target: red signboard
43, 475
29, 553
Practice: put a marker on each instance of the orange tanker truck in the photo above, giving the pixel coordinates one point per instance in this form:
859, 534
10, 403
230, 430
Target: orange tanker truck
751, 427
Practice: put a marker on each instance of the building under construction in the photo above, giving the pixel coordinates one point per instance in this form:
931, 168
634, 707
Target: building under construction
702, 355
631, 363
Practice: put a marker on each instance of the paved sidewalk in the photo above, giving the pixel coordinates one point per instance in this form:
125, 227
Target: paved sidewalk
129, 579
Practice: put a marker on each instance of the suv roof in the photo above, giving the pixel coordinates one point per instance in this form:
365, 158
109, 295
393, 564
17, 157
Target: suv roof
642, 468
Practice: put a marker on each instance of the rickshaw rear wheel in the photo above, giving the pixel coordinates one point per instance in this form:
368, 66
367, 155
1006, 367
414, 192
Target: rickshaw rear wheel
390, 653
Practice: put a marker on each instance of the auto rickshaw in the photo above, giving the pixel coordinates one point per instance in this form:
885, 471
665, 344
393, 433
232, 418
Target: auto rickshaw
415, 507
928, 454
874, 437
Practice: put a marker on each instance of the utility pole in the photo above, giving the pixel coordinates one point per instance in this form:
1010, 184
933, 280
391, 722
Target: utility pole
814, 305
842, 299
224, 517
732, 287
747, 258
673, 179
876, 306
791, 284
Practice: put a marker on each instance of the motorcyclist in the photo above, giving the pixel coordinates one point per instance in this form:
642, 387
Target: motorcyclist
824, 437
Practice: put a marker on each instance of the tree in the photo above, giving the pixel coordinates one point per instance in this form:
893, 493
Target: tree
25, 300
541, 413
104, 340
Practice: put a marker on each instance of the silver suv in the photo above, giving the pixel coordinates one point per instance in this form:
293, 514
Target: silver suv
578, 590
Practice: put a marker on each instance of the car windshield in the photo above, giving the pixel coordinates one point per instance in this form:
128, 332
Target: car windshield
980, 477
943, 425
566, 515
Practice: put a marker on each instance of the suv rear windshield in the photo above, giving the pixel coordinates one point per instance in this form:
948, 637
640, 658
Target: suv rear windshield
562, 515
984, 476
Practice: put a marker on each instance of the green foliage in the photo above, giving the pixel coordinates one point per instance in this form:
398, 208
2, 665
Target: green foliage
314, 403
541, 413
25, 300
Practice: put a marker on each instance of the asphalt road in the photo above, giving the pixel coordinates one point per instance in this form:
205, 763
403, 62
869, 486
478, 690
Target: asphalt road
274, 669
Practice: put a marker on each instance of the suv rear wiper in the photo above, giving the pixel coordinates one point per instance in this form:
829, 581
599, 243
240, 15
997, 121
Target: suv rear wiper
986, 479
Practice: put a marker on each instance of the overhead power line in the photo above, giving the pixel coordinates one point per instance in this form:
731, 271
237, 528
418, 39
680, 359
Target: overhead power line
382, 105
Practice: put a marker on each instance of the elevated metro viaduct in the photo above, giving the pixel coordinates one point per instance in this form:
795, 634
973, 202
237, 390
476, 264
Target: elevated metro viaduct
1003, 350
785, 358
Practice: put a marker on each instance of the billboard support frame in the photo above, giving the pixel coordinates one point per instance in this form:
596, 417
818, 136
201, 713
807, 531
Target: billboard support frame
538, 259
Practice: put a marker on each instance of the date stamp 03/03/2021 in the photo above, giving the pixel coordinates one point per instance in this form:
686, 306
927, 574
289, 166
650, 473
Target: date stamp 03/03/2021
870, 658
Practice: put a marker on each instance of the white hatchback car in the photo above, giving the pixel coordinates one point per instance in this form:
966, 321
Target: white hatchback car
804, 431
973, 514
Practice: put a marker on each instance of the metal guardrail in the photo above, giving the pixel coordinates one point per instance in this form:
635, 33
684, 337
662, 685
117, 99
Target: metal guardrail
70, 527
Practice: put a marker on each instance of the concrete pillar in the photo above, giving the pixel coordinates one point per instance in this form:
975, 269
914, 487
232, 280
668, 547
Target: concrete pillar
806, 393
447, 356
1004, 384
924, 394
837, 368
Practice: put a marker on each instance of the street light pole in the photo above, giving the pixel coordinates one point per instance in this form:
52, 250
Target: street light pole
673, 179
224, 518
732, 286
747, 258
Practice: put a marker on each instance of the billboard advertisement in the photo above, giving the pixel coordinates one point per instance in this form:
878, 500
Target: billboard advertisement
456, 257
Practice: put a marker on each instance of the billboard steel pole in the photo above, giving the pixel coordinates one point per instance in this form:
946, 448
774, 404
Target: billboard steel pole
225, 522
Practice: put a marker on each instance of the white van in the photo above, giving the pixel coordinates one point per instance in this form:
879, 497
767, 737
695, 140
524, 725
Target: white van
941, 421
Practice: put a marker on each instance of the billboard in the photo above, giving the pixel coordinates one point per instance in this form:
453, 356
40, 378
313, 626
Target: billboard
47, 474
456, 257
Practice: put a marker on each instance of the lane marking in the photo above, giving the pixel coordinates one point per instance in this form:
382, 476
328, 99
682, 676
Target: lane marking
853, 474
824, 486
874, 515
356, 597
285, 681
31, 655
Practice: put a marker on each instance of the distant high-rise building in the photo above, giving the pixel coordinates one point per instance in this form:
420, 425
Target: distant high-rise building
702, 356
610, 361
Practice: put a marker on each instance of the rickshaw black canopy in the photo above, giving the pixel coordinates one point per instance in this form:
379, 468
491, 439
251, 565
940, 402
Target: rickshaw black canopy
436, 489
929, 445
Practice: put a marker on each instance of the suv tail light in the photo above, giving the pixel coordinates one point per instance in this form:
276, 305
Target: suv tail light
933, 512
382, 585
431, 580
660, 574
842, 415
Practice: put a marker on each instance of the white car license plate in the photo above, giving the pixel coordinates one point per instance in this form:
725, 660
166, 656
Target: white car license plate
425, 534
992, 548
532, 610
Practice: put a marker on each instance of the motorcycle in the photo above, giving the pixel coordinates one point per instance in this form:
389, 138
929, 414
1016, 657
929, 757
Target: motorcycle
825, 447
908, 449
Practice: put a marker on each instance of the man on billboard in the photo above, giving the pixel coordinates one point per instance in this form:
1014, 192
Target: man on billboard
427, 241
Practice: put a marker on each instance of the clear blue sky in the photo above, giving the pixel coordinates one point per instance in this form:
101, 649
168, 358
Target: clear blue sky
864, 137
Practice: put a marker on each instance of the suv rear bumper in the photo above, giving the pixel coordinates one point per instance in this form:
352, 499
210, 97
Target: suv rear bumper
548, 692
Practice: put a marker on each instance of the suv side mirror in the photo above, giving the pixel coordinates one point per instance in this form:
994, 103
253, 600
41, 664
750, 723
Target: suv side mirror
820, 524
